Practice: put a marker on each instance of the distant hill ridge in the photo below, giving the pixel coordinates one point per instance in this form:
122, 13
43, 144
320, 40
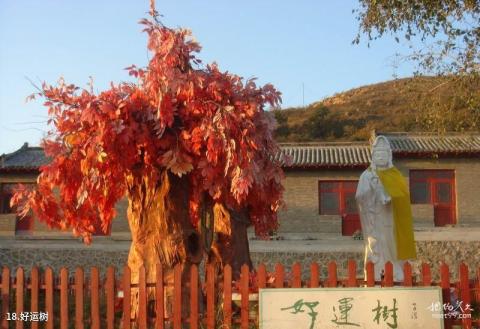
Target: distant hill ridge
353, 114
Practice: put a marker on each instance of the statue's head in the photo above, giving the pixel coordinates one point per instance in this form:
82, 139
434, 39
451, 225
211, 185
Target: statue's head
381, 153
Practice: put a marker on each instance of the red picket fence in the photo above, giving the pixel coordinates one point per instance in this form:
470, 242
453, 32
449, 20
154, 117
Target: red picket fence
78, 302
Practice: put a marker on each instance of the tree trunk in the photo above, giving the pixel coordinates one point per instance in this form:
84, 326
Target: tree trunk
231, 243
158, 215
240, 253
227, 244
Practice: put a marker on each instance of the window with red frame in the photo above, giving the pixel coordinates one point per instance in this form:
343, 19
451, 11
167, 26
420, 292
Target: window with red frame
337, 197
432, 186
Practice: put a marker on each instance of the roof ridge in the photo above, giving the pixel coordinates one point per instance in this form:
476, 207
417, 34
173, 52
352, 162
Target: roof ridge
428, 133
341, 143
24, 147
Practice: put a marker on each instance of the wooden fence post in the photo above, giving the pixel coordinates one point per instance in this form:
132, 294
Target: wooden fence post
388, 277
34, 286
194, 297
94, 298
445, 284
63, 298
407, 275
142, 298
177, 296
465, 295
19, 291
110, 297
296, 275
159, 298
262, 276
332, 275
5, 295
477, 286
126, 287
49, 289
352, 273
314, 275
79, 300
244, 292
426, 275
279, 275
370, 273
227, 297
210, 285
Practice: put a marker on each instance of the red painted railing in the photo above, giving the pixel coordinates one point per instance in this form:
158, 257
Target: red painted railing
94, 302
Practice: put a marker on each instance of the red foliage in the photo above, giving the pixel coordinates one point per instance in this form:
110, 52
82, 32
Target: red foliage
200, 122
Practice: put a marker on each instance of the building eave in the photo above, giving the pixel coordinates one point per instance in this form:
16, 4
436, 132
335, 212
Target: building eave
22, 170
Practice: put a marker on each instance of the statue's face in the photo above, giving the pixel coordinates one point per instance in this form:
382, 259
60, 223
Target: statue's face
380, 158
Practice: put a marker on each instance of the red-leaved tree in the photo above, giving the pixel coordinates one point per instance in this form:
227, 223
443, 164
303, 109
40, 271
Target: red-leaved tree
186, 144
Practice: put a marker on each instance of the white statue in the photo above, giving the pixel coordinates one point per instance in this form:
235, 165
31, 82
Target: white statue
385, 212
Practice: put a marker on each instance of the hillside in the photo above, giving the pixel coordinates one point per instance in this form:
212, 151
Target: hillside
397, 105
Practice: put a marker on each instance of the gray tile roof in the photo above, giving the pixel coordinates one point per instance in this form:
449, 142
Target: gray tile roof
316, 155
425, 143
329, 155
25, 158
324, 155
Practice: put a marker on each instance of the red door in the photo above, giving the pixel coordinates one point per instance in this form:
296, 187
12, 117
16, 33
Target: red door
349, 212
337, 197
443, 202
436, 187
350, 224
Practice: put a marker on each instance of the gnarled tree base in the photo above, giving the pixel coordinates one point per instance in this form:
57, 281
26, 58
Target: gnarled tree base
161, 230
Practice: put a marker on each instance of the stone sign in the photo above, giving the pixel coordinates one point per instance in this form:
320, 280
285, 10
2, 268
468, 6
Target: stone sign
314, 308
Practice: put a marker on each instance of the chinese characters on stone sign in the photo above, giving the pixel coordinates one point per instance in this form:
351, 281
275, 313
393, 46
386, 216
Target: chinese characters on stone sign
341, 315
298, 307
344, 307
385, 313
363, 308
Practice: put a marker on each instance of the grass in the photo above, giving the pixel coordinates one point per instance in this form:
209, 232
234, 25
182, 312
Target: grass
397, 105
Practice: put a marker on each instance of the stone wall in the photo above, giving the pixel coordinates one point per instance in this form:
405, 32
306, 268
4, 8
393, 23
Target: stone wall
431, 252
58, 258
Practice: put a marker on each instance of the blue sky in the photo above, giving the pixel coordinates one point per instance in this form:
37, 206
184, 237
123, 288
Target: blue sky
287, 43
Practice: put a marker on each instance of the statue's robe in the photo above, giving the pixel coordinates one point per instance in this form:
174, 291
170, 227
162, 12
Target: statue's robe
385, 214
